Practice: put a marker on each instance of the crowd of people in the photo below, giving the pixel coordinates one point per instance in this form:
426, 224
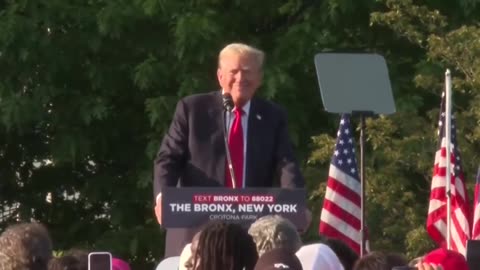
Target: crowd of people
28, 246
271, 242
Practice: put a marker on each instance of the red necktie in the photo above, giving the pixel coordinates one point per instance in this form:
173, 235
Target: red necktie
235, 144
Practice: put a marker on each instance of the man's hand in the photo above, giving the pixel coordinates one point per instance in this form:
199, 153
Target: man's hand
158, 210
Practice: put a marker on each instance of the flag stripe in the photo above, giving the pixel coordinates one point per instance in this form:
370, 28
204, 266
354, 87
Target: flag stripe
343, 190
352, 219
345, 179
328, 229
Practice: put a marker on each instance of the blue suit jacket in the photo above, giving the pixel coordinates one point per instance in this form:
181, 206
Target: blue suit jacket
192, 152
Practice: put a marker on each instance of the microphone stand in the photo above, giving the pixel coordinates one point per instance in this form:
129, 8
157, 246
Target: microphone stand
226, 123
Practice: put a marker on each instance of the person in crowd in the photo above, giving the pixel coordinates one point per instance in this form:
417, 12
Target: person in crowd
396, 259
273, 231
378, 260
318, 256
223, 246
119, 264
447, 259
428, 266
66, 262
186, 258
193, 151
413, 262
81, 255
170, 263
345, 254
278, 258
185, 255
375, 260
25, 246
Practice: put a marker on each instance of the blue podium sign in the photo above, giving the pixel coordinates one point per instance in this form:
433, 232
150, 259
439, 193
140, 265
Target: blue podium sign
187, 207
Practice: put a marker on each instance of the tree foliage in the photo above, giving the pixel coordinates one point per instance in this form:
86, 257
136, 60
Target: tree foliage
88, 88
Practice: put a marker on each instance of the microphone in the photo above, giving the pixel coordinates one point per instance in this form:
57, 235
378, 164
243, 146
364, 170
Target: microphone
228, 107
227, 102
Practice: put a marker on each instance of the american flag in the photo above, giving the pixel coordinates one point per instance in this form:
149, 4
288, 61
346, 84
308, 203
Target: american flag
341, 215
476, 209
437, 210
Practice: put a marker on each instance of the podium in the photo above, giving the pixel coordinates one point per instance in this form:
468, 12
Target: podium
188, 207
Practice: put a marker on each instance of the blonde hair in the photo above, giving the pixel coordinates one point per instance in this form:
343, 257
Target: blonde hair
25, 246
273, 231
242, 49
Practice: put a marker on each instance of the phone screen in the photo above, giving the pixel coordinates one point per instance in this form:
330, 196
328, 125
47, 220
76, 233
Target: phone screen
99, 261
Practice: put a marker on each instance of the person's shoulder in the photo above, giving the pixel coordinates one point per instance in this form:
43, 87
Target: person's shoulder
269, 105
200, 98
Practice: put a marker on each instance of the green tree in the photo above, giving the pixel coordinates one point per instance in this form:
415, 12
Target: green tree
446, 32
419, 43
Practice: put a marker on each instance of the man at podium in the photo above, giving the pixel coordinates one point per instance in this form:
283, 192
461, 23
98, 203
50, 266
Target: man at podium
193, 151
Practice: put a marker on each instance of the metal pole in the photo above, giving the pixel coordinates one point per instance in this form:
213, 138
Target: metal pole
362, 184
448, 140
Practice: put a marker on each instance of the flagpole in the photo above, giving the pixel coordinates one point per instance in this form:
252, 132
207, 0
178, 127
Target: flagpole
362, 185
448, 140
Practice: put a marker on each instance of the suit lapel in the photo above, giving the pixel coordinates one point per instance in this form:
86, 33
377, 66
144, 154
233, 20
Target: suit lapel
216, 116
